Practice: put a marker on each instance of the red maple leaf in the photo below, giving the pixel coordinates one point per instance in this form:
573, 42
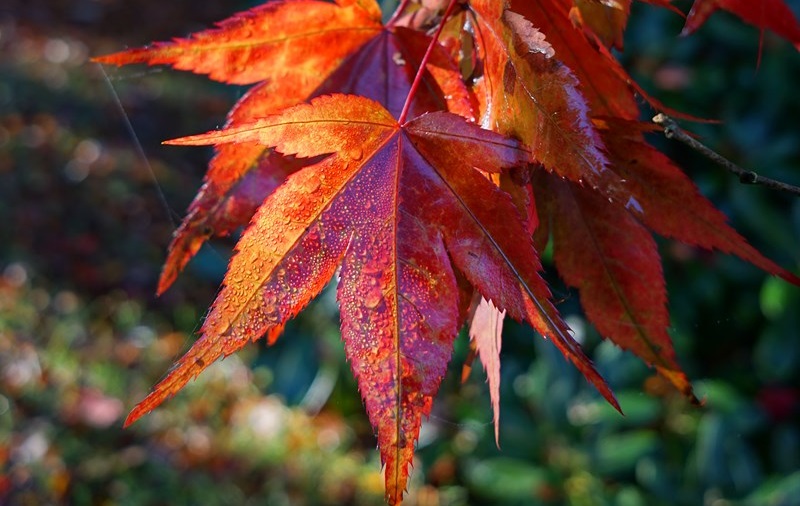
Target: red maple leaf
772, 15
381, 64
398, 208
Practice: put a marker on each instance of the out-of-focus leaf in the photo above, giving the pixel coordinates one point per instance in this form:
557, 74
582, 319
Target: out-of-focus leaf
619, 453
505, 479
639, 409
782, 491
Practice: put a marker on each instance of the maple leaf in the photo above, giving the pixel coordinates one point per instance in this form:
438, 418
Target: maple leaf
619, 272
267, 42
602, 249
612, 259
606, 86
377, 62
534, 97
398, 208
603, 81
486, 331
772, 15
669, 203
255, 46
605, 18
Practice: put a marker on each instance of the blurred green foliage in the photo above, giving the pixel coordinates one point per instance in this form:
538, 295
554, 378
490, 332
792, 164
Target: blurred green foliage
85, 219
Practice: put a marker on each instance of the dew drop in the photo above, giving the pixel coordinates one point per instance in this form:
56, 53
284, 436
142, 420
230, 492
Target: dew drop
356, 153
373, 298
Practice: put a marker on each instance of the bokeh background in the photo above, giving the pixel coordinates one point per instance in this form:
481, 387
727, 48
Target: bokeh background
86, 215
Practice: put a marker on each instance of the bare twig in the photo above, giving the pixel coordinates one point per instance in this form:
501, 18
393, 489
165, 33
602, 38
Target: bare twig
673, 131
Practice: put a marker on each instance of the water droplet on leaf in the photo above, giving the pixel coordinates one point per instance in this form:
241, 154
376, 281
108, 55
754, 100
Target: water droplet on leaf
373, 298
356, 153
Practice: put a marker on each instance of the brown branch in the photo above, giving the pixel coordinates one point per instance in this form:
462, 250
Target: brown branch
673, 131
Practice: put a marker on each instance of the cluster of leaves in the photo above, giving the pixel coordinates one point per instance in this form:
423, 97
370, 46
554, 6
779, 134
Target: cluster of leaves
427, 160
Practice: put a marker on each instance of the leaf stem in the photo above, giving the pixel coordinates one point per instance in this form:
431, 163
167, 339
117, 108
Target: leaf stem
673, 131
418, 78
